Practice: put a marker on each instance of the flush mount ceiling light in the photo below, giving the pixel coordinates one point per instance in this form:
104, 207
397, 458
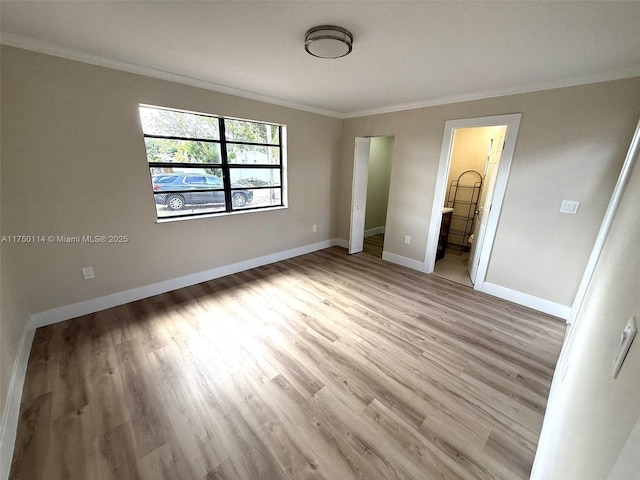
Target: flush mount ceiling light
328, 41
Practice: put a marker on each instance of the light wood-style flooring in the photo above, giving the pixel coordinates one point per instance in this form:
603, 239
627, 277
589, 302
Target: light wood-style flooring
326, 366
374, 245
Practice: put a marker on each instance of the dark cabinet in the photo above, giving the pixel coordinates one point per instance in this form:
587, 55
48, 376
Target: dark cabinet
444, 234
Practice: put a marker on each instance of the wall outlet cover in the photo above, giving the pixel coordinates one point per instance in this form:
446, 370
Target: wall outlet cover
569, 206
87, 273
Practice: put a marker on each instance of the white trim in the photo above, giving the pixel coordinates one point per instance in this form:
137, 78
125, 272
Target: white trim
524, 299
55, 315
74, 310
512, 121
341, 242
9, 425
535, 87
403, 261
162, 220
25, 43
438, 198
373, 231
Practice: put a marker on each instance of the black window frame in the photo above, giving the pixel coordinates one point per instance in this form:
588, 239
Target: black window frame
225, 166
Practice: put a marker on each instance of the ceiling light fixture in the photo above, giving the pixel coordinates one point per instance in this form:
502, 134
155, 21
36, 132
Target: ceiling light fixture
328, 41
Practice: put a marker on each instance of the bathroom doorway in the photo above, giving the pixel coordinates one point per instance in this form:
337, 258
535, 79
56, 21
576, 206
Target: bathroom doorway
475, 157
474, 168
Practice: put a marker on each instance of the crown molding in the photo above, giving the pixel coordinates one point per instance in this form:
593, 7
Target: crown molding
25, 43
535, 87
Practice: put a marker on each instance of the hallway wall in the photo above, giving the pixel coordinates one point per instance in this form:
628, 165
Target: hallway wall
380, 158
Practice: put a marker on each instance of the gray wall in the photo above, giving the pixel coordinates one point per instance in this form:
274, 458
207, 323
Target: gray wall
571, 145
593, 414
74, 163
380, 159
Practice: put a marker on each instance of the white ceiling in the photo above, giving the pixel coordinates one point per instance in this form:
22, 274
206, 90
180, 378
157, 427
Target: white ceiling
405, 54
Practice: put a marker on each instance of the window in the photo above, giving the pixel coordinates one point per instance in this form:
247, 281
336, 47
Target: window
202, 164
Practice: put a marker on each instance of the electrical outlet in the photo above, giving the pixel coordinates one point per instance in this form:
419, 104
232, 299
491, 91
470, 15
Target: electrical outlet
87, 273
407, 239
315, 228
569, 206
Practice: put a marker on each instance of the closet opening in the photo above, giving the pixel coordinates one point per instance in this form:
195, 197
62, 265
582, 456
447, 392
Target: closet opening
370, 193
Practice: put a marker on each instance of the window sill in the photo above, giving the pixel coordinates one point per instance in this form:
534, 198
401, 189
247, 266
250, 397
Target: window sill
216, 215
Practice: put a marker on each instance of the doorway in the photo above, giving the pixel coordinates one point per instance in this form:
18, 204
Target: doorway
370, 193
475, 157
474, 167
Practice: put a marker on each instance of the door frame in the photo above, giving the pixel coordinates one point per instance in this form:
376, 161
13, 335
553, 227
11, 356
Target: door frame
512, 121
360, 177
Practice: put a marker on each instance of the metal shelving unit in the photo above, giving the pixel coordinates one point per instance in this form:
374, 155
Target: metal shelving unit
463, 197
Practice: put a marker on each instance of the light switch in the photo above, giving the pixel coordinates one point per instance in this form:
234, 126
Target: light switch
628, 334
569, 206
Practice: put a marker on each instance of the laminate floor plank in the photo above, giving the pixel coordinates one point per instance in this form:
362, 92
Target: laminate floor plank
32, 441
327, 366
322, 431
115, 454
147, 413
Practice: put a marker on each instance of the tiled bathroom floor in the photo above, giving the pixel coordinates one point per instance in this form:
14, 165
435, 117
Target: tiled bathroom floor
454, 267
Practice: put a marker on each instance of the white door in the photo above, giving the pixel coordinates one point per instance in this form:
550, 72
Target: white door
484, 204
359, 194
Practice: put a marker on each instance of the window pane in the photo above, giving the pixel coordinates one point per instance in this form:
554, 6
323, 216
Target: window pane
255, 177
187, 160
166, 174
156, 121
167, 211
264, 197
182, 151
251, 131
180, 193
253, 154
207, 186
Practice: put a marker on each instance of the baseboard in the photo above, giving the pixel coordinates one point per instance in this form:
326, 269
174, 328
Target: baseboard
48, 317
67, 312
11, 412
539, 304
373, 231
404, 261
14, 396
341, 242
